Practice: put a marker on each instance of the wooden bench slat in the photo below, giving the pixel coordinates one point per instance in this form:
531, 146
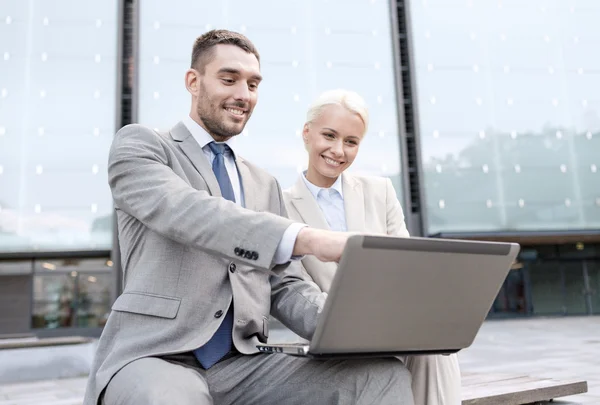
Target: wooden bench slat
492, 389
524, 386
36, 342
519, 380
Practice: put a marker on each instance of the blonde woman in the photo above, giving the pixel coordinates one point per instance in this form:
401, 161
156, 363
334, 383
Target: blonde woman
327, 197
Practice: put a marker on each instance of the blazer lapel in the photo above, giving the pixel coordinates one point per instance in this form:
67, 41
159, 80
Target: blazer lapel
247, 182
194, 153
307, 206
354, 204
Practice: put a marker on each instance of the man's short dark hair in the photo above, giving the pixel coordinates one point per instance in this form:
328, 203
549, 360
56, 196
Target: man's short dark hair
203, 51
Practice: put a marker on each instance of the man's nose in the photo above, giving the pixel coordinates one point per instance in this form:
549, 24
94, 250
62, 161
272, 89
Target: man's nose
242, 92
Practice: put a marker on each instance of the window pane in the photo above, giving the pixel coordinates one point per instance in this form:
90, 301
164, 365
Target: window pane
94, 299
509, 113
53, 301
72, 292
512, 298
546, 288
306, 48
57, 118
574, 288
594, 275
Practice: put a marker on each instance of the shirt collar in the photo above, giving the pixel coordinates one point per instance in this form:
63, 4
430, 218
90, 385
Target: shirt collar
314, 190
202, 137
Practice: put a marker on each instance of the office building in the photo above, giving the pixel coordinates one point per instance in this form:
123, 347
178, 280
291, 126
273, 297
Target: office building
484, 114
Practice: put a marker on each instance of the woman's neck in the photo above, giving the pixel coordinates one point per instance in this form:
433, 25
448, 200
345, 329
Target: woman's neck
318, 179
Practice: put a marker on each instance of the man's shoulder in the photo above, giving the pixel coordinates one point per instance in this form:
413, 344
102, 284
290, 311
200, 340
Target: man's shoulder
143, 132
141, 137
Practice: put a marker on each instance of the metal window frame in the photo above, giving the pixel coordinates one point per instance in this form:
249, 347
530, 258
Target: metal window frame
126, 43
415, 216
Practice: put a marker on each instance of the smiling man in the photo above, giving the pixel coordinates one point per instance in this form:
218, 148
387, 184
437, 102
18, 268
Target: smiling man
208, 254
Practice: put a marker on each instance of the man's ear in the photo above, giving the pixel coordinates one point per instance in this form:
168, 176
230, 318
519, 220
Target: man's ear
192, 81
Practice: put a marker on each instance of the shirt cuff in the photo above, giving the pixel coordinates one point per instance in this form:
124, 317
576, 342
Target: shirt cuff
284, 251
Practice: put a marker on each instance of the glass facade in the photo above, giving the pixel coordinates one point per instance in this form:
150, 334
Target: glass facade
509, 114
310, 47
508, 123
58, 93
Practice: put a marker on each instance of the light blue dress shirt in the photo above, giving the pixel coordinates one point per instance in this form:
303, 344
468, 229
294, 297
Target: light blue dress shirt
331, 202
284, 251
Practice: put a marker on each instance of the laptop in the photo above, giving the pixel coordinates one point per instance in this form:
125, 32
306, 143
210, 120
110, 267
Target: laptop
394, 296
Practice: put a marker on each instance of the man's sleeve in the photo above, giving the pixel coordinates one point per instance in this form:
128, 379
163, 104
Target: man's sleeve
284, 251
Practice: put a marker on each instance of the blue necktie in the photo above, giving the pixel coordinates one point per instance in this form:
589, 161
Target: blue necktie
221, 342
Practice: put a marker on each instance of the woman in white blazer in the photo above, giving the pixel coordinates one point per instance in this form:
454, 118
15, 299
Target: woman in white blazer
327, 197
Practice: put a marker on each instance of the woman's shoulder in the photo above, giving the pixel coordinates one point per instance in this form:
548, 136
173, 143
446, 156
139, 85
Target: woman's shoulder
287, 194
374, 182
292, 192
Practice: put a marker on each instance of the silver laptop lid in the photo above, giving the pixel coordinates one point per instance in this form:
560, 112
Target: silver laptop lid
395, 295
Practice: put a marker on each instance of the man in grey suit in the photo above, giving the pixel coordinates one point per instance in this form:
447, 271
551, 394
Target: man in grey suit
207, 255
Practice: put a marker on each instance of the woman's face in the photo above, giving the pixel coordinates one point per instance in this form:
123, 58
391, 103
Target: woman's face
332, 142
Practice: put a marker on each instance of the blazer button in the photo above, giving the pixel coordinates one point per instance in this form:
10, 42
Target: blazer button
254, 255
237, 251
218, 314
232, 267
248, 255
242, 252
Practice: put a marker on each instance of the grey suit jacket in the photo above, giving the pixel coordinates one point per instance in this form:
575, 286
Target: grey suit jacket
186, 253
371, 207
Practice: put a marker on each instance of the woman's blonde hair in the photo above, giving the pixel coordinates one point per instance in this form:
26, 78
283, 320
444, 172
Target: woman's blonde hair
344, 98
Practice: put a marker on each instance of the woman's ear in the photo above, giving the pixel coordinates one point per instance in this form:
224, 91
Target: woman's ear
305, 133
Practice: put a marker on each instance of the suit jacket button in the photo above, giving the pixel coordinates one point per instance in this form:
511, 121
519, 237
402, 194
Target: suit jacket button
232, 267
218, 314
242, 252
254, 255
248, 255
236, 251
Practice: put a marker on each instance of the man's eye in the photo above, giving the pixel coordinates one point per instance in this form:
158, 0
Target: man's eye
228, 81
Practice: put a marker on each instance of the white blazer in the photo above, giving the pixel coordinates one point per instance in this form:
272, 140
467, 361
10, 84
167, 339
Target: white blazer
371, 207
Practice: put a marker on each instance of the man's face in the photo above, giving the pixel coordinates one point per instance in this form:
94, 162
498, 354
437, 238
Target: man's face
227, 92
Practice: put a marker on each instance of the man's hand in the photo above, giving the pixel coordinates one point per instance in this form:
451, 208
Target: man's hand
327, 246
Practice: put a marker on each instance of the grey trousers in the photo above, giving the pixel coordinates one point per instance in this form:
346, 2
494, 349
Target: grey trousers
260, 379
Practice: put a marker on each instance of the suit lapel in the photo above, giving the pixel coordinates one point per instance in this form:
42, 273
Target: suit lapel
354, 203
307, 206
247, 182
194, 153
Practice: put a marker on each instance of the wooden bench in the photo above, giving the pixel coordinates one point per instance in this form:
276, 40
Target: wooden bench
33, 341
506, 389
